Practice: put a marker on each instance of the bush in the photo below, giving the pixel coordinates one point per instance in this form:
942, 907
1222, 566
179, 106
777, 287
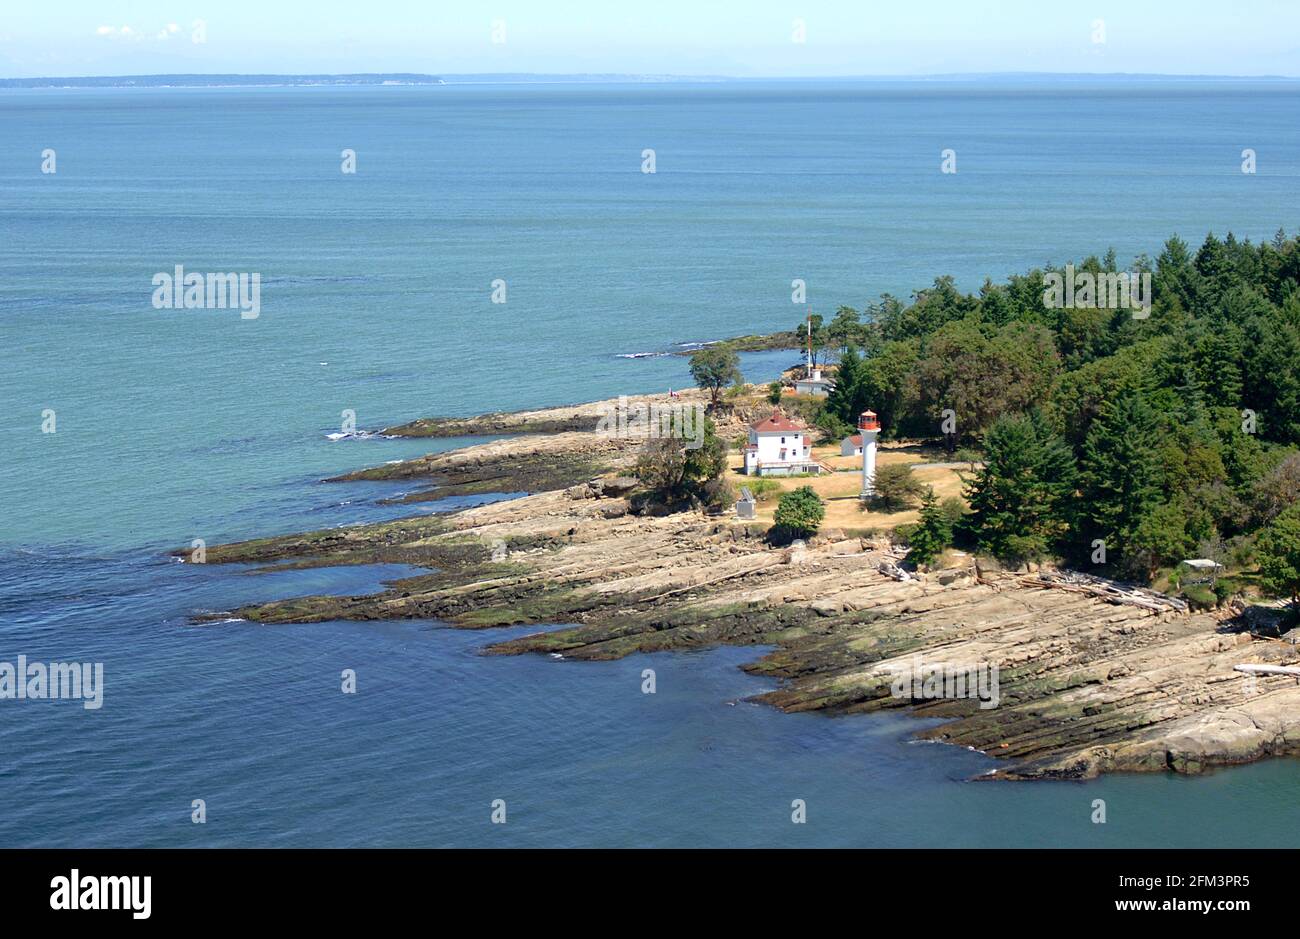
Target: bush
805, 407
832, 427
675, 473
931, 535
1279, 556
1241, 551
1021, 549
896, 487
774, 393
798, 514
718, 494
953, 512
1200, 597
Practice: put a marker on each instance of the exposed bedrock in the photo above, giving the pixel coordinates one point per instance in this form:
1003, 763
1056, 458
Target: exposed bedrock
1085, 684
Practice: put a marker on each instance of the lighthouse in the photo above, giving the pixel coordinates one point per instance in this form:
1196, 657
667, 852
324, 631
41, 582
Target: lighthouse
869, 428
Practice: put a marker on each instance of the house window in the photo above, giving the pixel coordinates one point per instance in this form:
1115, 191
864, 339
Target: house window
783, 440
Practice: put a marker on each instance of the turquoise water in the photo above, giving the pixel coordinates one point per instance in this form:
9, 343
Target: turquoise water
376, 297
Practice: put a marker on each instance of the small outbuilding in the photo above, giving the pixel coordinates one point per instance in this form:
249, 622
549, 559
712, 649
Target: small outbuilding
1203, 570
813, 383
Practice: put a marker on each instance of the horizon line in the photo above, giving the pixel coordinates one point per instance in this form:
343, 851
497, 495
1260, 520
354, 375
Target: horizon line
667, 76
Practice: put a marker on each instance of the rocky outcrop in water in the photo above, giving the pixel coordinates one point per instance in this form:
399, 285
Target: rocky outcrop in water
1087, 680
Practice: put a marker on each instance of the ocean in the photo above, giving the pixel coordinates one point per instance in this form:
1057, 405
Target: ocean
377, 299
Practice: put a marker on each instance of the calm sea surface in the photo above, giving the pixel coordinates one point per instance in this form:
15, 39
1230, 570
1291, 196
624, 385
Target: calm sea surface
376, 297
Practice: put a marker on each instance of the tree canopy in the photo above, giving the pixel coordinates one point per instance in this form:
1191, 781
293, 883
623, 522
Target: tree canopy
1121, 437
714, 368
799, 513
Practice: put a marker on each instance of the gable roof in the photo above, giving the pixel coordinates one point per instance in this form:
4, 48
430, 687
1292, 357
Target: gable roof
778, 423
856, 440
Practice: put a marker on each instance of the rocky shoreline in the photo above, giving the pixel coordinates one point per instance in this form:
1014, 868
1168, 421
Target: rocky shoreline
1087, 683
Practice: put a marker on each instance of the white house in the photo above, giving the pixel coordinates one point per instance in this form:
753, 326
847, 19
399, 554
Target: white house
813, 383
851, 446
779, 446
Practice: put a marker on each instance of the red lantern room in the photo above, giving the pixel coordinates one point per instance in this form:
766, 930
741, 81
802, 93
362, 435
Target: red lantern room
868, 421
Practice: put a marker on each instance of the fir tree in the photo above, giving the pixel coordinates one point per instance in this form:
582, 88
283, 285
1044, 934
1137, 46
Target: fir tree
1020, 496
1121, 476
932, 534
844, 396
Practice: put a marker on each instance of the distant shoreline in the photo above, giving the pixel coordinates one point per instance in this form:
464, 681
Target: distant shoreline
261, 80
264, 80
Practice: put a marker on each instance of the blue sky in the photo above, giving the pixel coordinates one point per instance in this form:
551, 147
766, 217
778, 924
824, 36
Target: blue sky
684, 37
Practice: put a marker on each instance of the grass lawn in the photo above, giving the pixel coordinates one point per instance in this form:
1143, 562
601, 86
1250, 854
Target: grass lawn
840, 490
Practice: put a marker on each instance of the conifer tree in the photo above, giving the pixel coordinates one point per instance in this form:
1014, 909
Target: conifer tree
1019, 499
932, 533
1121, 477
848, 387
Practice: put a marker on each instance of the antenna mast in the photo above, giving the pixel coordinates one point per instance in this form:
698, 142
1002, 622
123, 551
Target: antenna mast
808, 336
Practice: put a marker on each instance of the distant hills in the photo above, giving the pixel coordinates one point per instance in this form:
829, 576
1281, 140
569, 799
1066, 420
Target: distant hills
410, 78
219, 81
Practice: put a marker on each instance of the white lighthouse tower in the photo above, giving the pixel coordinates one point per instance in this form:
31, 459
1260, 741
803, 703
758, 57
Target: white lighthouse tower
869, 428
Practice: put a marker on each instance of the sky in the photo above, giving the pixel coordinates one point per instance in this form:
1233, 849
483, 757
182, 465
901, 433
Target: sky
744, 38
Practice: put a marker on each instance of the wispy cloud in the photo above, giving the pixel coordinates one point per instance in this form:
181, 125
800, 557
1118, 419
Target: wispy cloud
131, 34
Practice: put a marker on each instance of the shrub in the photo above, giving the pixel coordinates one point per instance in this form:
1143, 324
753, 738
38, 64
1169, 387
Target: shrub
896, 487
798, 514
1279, 556
1200, 597
1241, 551
674, 472
953, 511
931, 535
717, 493
832, 427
